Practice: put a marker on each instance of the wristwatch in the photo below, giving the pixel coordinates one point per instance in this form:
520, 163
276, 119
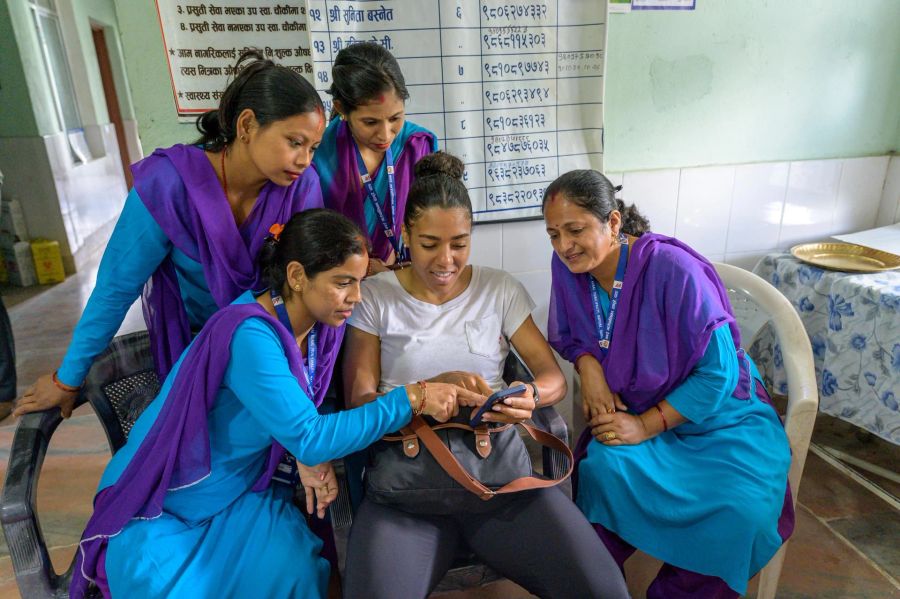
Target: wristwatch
535, 393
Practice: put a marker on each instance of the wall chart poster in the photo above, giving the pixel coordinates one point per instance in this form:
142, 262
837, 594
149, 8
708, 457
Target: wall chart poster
204, 40
515, 88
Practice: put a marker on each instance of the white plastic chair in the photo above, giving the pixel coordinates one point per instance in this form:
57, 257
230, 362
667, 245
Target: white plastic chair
755, 303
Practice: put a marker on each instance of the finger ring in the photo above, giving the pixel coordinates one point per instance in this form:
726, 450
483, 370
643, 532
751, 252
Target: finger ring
327, 490
610, 410
610, 436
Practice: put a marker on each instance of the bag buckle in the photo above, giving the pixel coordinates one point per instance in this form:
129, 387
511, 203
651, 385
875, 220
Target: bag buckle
410, 446
483, 441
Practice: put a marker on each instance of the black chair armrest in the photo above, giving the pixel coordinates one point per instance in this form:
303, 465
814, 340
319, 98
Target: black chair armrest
555, 463
18, 514
341, 512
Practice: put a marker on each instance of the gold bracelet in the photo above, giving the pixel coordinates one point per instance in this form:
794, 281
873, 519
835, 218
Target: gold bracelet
424, 387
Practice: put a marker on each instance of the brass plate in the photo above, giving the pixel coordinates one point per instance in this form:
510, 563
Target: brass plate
845, 257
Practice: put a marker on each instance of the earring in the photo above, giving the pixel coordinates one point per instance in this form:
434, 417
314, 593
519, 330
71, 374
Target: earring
243, 138
296, 287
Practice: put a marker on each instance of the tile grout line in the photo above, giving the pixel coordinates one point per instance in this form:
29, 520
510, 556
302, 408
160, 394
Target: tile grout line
856, 549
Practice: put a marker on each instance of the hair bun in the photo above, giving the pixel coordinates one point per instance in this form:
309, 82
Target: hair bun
440, 163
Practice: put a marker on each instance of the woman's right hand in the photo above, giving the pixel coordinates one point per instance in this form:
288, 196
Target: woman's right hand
376, 266
596, 396
442, 400
43, 395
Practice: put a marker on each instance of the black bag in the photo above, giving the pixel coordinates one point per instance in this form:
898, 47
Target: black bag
461, 470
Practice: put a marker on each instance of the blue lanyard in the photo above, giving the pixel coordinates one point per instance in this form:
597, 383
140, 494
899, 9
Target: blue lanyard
386, 227
605, 329
312, 347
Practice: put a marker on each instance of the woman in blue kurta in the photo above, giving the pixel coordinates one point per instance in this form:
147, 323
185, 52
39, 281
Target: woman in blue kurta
189, 507
684, 456
369, 150
195, 219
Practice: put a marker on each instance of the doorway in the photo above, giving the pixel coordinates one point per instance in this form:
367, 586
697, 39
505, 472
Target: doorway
112, 100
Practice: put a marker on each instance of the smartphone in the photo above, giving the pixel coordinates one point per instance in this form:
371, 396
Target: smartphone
494, 398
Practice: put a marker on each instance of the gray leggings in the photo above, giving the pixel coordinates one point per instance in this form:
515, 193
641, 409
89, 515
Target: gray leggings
537, 539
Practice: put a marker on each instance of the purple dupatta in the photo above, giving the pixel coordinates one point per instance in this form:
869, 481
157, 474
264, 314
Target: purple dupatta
672, 300
181, 190
345, 193
176, 451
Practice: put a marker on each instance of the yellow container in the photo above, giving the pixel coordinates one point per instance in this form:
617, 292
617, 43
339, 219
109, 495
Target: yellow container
48, 264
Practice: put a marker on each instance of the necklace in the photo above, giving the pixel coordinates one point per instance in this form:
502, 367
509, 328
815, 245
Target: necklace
224, 177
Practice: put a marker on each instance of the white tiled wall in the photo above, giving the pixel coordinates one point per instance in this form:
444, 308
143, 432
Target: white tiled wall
702, 217
859, 194
734, 214
889, 212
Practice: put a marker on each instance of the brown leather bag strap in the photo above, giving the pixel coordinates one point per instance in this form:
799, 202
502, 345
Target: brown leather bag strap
451, 465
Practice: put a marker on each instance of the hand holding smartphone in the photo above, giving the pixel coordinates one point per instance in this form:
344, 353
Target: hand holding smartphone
494, 398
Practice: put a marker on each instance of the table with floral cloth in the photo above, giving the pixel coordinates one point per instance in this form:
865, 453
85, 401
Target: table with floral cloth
853, 322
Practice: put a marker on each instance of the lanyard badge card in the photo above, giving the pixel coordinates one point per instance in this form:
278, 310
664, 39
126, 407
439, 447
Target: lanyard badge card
287, 472
603, 325
387, 227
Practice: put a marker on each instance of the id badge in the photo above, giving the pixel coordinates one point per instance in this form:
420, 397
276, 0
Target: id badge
286, 472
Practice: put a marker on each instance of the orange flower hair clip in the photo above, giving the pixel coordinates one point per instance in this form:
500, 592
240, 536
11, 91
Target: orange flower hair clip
275, 230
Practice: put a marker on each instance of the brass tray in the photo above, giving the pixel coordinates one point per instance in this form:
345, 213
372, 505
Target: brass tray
845, 257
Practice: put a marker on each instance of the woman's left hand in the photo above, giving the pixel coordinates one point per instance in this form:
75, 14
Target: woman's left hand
619, 428
512, 409
320, 485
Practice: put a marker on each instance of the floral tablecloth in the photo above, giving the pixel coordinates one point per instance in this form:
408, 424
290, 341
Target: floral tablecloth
853, 323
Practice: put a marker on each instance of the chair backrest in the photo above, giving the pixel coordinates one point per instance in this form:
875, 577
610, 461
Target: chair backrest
121, 384
757, 303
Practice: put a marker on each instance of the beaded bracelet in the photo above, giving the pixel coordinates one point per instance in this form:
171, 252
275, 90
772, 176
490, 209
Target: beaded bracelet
662, 417
64, 387
421, 407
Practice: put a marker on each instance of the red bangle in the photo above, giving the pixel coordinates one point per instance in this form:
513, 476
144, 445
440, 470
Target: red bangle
421, 407
64, 387
662, 417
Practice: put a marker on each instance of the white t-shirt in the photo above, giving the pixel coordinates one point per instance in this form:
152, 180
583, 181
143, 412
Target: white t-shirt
420, 340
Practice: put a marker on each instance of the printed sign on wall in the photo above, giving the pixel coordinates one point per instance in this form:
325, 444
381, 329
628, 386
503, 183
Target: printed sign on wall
203, 42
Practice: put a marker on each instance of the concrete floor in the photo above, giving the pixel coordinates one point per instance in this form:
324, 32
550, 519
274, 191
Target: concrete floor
845, 544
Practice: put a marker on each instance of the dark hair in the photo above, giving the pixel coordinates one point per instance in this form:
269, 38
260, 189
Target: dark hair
592, 191
319, 239
361, 72
438, 184
273, 92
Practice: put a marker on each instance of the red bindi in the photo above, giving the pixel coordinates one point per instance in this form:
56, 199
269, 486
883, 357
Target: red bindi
381, 98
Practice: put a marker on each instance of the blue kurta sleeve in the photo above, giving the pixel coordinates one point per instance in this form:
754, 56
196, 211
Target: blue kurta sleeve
135, 250
712, 380
260, 377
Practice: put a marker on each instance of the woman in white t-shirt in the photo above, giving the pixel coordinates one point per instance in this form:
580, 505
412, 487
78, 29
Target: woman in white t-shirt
444, 320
